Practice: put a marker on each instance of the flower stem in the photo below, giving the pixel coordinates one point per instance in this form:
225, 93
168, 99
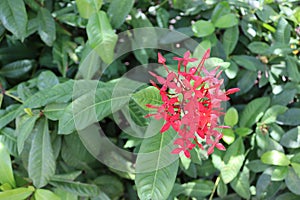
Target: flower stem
215, 188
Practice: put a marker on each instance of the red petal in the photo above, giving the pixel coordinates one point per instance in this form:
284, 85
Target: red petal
187, 153
176, 151
165, 127
161, 59
220, 147
232, 90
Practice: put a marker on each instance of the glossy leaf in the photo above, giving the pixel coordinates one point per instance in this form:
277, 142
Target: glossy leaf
149, 95
46, 28
254, 111
42, 194
231, 117
14, 17
230, 39
101, 36
118, 11
203, 28
283, 32
291, 139
41, 166
258, 47
241, 184
87, 8
10, 113
275, 158
6, 172
17, 69
290, 117
17, 194
47, 80
272, 113
157, 168
226, 21
293, 181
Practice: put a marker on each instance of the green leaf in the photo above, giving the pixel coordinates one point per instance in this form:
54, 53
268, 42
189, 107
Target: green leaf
203, 28
198, 188
232, 70
292, 181
118, 11
60, 56
228, 136
156, 167
258, 47
60, 93
46, 27
296, 167
230, 39
17, 194
222, 189
291, 139
87, 8
89, 108
272, 113
116, 189
41, 166
284, 97
283, 32
226, 21
220, 10
42, 194
64, 195
290, 117
231, 117
257, 166
47, 80
6, 172
275, 158
101, 36
292, 69
279, 173
14, 17
287, 195
149, 95
24, 129
54, 111
17, 69
248, 62
265, 187
162, 17
241, 184
9, 139
76, 188
10, 113
254, 111
233, 161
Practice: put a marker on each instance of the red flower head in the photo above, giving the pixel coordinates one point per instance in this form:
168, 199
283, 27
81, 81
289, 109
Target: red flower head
191, 104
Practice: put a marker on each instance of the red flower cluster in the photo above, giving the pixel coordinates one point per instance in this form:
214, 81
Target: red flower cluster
191, 104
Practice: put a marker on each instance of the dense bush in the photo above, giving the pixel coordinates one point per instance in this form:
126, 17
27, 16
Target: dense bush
60, 68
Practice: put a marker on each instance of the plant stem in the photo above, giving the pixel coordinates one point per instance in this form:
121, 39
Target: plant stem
215, 188
14, 97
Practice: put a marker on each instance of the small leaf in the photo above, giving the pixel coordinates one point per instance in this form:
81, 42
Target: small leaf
258, 47
10, 113
230, 39
17, 69
275, 158
118, 11
283, 32
228, 136
231, 117
42, 194
47, 80
41, 166
17, 194
149, 95
222, 189
242, 131
241, 184
6, 172
257, 166
290, 117
101, 36
254, 111
87, 8
248, 62
272, 113
279, 173
292, 181
226, 21
46, 27
198, 188
14, 17
221, 9
54, 111
291, 139
203, 28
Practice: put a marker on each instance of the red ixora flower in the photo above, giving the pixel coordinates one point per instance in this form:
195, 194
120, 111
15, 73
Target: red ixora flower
191, 104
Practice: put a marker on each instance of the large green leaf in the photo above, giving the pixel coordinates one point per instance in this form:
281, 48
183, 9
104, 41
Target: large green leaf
254, 111
156, 167
77, 188
241, 184
283, 32
41, 166
292, 69
247, 62
89, 108
60, 93
290, 117
118, 11
87, 8
292, 181
233, 161
203, 28
9, 139
101, 36
42, 194
10, 113
226, 21
149, 95
24, 128
275, 158
46, 27
47, 80
230, 39
14, 17
272, 113
17, 194
6, 173
17, 68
